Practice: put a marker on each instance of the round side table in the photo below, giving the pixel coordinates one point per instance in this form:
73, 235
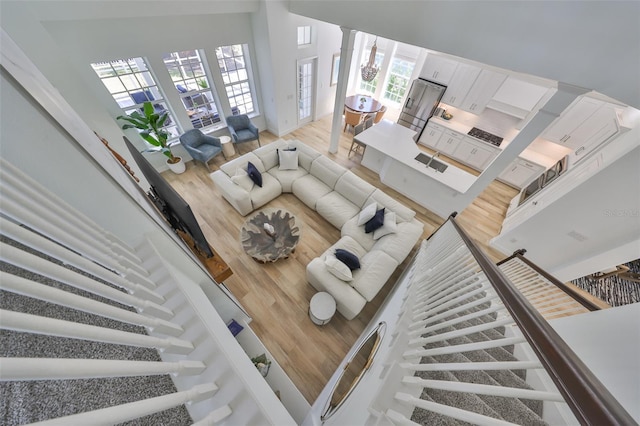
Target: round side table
321, 308
227, 147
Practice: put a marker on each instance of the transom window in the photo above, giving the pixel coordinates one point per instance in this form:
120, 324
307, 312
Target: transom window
131, 84
304, 35
233, 62
398, 81
190, 79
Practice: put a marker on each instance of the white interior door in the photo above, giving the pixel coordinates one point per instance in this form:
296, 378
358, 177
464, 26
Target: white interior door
306, 90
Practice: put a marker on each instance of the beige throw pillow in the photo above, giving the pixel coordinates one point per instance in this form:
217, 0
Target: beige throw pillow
337, 268
242, 179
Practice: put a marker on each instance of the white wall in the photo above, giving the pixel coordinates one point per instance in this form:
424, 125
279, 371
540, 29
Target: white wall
604, 209
593, 44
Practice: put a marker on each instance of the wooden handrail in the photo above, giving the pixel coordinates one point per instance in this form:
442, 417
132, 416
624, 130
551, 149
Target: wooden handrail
519, 254
588, 398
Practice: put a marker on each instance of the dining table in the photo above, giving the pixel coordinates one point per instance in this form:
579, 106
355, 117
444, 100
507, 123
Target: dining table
362, 103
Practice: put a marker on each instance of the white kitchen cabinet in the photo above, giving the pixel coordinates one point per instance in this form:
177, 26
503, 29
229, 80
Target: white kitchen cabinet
449, 142
517, 97
482, 91
575, 116
431, 135
521, 173
475, 153
460, 84
599, 128
438, 69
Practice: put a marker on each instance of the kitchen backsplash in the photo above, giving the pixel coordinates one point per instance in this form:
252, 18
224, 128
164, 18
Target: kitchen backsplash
494, 122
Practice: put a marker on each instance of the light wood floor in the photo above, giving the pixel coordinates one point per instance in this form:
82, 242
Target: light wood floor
277, 295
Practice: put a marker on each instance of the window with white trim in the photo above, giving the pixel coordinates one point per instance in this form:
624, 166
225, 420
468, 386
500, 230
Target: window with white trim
189, 76
304, 35
234, 67
398, 79
131, 84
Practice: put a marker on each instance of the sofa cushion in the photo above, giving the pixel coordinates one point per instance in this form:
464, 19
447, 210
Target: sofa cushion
242, 178
375, 222
348, 258
262, 195
356, 232
309, 189
288, 160
354, 188
254, 174
403, 213
287, 177
348, 301
306, 154
388, 227
377, 267
338, 268
268, 154
230, 167
327, 171
336, 209
400, 244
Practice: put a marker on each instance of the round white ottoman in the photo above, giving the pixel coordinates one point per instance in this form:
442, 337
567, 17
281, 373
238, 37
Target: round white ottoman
227, 147
321, 308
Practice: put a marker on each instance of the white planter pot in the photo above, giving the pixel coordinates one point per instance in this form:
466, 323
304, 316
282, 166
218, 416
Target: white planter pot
178, 167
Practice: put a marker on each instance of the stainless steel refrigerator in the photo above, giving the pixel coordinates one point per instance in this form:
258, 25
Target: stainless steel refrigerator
421, 102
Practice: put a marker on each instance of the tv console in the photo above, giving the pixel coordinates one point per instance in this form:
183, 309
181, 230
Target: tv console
215, 265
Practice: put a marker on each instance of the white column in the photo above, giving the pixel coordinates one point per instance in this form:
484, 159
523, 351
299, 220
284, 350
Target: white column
346, 53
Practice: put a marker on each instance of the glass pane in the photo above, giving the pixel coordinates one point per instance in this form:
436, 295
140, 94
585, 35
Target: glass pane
121, 67
130, 81
113, 85
137, 64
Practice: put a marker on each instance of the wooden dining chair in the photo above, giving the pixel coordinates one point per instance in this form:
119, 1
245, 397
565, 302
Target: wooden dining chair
379, 114
351, 118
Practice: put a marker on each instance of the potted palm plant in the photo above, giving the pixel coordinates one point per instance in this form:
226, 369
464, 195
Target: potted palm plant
150, 126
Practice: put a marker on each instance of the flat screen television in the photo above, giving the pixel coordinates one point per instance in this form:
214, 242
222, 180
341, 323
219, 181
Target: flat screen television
173, 207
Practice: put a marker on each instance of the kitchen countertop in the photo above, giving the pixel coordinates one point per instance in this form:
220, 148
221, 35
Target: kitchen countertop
396, 142
540, 151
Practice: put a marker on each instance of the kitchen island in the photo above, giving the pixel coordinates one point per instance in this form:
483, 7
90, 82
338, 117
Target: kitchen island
391, 152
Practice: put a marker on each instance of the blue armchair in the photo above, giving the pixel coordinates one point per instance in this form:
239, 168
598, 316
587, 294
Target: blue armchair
200, 146
242, 129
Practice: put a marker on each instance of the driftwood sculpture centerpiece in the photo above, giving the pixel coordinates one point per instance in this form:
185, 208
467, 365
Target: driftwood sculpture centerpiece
277, 240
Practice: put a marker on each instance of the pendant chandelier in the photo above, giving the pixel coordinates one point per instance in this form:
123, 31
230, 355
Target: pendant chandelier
370, 69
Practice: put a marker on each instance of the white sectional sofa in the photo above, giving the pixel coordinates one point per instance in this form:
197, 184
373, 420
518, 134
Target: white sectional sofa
339, 196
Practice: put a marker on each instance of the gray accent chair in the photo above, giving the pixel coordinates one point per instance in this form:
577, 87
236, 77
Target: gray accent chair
200, 146
242, 129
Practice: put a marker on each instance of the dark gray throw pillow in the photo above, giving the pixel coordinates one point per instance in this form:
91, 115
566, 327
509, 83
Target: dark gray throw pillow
254, 174
348, 258
375, 222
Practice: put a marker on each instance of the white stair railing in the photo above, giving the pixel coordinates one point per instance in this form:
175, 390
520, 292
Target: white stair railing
197, 350
447, 286
549, 297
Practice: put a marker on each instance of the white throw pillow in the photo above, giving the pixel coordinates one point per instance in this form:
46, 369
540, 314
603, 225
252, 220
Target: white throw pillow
367, 213
337, 268
288, 160
388, 227
242, 179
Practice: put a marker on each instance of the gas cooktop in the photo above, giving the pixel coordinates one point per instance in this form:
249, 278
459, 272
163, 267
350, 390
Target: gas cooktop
485, 136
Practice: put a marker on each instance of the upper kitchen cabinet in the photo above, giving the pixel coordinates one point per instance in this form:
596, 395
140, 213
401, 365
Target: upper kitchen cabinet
517, 97
458, 87
586, 125
571, 119
438, 69
482, 91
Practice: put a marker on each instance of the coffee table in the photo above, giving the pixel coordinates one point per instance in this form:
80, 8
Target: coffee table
263, 247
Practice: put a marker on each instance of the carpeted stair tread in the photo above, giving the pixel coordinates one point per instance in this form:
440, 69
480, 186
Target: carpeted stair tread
525, 408
430, 418
462, 400
30, 401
